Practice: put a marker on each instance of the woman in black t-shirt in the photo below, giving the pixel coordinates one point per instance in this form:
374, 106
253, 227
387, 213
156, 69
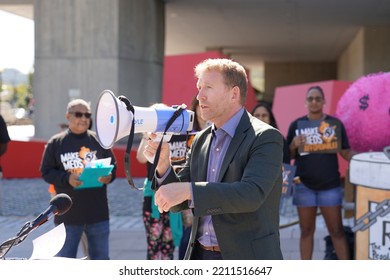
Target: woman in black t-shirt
320, 184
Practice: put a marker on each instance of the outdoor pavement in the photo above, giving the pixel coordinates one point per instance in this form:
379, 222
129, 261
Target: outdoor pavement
22, 200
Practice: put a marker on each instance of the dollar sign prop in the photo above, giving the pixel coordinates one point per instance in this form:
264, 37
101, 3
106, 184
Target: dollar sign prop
364, 102
364, 108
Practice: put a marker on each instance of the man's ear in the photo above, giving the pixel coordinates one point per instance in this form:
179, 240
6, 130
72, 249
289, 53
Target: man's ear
236, 94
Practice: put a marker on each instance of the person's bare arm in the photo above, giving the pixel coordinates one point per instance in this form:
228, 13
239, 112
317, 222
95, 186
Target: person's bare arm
347, 154
296, 142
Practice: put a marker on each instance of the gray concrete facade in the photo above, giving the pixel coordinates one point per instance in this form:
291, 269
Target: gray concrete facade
84, 47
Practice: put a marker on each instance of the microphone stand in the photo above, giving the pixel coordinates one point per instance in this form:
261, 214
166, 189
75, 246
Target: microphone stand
58, 205
6, 246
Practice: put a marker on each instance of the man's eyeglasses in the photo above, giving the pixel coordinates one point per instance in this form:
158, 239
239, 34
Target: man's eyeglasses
79, 114
311, 98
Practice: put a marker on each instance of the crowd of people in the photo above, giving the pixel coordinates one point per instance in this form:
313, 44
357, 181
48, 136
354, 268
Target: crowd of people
215, 192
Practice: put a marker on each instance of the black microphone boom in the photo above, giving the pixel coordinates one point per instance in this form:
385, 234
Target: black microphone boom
59, 205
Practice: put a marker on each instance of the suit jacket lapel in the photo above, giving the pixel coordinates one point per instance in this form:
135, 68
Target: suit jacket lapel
237, 139
204, 156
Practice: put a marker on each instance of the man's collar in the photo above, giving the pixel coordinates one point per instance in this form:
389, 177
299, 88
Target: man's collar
230, 126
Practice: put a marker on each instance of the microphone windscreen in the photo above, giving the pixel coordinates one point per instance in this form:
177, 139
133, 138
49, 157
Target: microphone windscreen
62, 202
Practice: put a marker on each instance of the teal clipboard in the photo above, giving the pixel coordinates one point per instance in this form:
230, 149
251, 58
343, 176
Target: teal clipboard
90, 176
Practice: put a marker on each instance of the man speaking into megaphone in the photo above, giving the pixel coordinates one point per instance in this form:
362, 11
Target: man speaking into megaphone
232, 178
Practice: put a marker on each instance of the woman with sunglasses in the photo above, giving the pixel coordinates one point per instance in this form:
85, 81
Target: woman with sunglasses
64, 159
320, 185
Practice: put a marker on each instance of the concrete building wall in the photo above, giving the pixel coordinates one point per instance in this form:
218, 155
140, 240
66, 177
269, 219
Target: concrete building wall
377, 49
367, 53
290, 73
83, 47
141, 50
351, 62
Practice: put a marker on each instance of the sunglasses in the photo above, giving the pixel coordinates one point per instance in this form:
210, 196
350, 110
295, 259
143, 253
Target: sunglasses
79, 114
317, 99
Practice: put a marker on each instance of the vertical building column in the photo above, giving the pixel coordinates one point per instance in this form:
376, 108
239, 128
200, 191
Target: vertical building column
366, 54
85, 46
376, 49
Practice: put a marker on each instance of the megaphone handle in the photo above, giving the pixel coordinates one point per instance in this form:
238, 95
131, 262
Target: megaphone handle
127, 156
175, 115
154, 166
157, 156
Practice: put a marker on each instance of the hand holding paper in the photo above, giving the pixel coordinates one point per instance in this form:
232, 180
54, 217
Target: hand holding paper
105, 179
96, 173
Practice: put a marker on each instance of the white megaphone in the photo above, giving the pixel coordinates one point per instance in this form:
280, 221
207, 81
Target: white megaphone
114, 120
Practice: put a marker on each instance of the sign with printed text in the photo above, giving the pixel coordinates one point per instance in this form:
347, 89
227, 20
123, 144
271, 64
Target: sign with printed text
322, 136
379, 236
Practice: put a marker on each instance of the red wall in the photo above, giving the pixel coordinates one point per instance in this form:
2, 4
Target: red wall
289, 104
22, 160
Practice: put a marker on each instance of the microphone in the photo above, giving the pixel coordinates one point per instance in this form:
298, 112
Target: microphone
59, 205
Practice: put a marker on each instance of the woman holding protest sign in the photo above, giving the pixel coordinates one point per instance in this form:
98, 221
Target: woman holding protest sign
320, 184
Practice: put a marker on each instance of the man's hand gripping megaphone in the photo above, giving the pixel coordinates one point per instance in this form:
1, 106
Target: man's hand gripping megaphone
151, 150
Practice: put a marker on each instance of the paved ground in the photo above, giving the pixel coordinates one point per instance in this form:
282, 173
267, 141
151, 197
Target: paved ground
21, 200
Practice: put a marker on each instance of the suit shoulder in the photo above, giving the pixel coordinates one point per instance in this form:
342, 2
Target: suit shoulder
262, 128
259, 125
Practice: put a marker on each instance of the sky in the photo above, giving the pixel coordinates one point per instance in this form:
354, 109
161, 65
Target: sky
16, 42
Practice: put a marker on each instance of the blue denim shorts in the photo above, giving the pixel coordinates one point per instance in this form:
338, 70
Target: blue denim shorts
303, 196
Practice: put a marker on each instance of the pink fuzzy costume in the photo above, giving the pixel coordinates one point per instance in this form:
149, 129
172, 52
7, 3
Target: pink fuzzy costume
364, 109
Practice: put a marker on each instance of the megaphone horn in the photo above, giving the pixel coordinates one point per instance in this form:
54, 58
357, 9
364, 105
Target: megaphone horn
114, 119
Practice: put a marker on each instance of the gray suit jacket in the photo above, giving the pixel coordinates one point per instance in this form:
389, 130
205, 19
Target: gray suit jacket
244, 203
